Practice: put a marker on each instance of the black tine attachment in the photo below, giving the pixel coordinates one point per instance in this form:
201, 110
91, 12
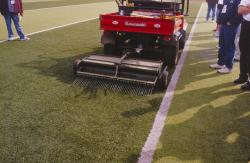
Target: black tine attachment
114, 85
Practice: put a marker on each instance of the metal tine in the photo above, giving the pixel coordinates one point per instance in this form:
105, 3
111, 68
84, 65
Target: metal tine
106, 85
133, 89
119, 87
144, 91
148, 91
102, 83
95, 84
114, 85
84, 82
77, 81
128, 88
136, 90
91, 85
151, 90
99, 83
123, 87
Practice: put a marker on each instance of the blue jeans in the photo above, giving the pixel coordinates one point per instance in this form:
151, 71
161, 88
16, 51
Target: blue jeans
226, 44
15, 18
211, 7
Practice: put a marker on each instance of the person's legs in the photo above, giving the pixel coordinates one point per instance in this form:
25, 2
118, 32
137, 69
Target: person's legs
213, 8
229, 45
208, 11
18, 27
8, 25
221, 46
220, 63
245, 53
236, 43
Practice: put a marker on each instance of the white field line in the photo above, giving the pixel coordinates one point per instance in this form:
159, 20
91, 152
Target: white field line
150, 145
53, 28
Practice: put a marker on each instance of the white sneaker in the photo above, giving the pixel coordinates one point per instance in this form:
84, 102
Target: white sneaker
25, 39
11, 38
224, 70
237, 58
217, 34
217, 66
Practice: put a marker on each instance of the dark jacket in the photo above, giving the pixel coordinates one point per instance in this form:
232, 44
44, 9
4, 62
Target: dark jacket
4, 8
231, 14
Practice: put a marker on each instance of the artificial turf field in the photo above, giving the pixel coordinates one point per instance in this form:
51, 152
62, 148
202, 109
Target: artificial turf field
44, 119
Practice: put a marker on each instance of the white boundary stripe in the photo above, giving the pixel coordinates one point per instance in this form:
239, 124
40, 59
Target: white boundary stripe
150, 145
53, 28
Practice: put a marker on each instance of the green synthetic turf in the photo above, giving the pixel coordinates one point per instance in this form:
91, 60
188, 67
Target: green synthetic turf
33, 4
209, 117
44, 119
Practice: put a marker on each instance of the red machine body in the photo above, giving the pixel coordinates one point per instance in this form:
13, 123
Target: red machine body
158, 26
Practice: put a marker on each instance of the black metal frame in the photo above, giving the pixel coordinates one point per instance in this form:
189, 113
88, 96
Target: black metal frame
155, 5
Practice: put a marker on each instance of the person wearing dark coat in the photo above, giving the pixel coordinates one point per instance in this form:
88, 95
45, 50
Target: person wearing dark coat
11, 9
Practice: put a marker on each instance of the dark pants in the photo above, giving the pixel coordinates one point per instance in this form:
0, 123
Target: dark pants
245, 50
211, 7
226, 44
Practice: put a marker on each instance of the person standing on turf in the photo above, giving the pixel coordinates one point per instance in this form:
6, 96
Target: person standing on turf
244, 43
236, 43
229, 21
211, 4
11, 9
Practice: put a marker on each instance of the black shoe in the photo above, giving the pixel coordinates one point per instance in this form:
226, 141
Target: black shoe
240, 81
246, 86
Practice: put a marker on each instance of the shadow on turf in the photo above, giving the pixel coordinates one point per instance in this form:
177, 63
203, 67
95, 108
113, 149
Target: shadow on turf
210, 128
154, 106
61, 68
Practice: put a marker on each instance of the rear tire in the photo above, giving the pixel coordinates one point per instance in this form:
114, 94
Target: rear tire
163, 81
182, 41
171, 55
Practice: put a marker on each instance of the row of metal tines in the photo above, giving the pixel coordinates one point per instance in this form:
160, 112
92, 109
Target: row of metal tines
114, 85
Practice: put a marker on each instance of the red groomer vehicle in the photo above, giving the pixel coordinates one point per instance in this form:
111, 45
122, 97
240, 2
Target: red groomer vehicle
141, 42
